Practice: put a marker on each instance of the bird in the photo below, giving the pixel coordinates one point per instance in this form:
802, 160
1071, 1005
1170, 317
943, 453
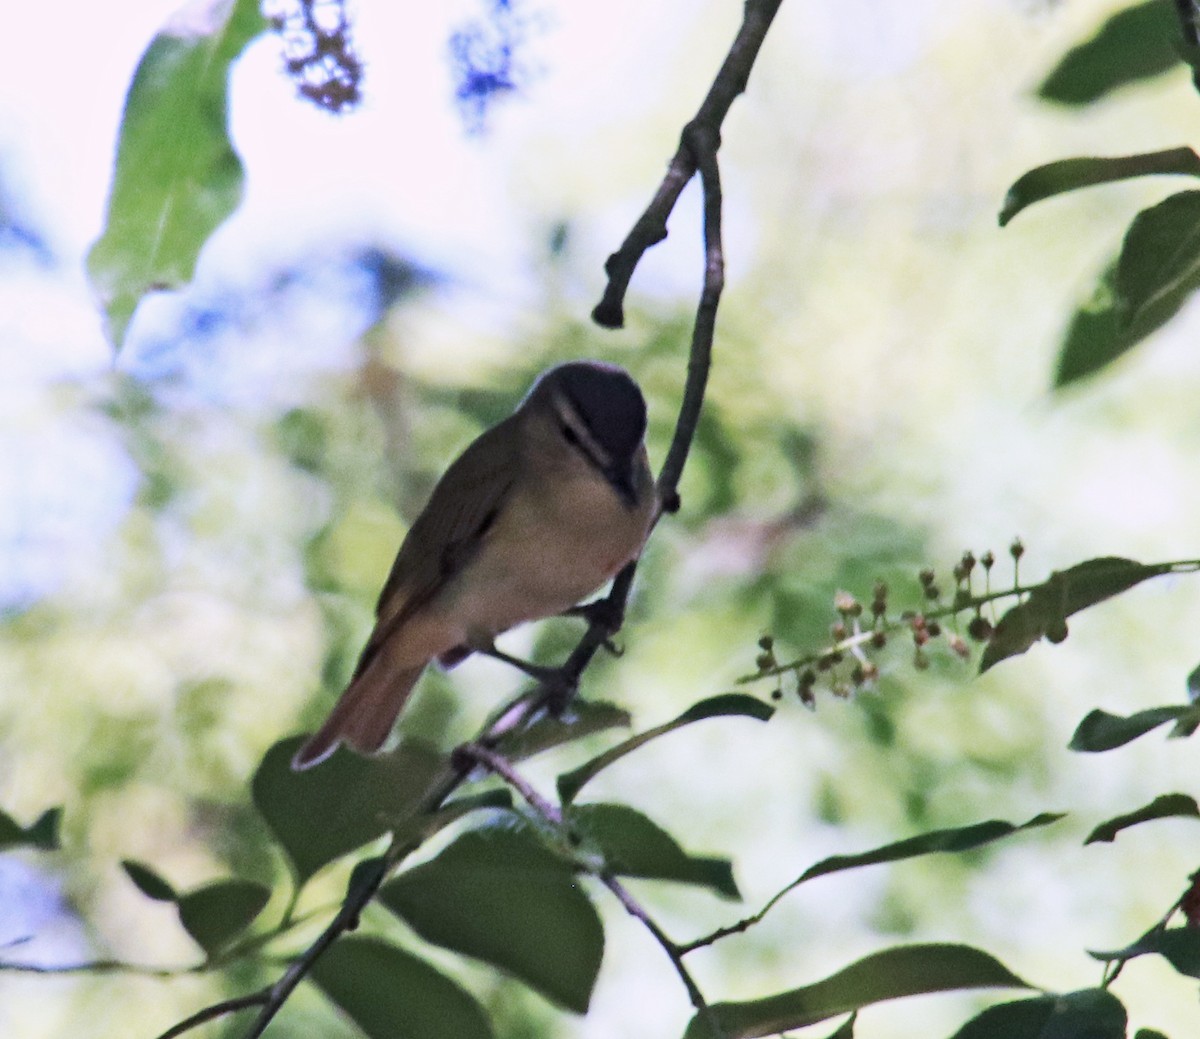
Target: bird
538, 512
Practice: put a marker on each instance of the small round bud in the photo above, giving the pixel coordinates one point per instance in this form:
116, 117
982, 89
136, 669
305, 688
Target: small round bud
934, 629
878, 639
776, 694
932, 591
846, 604
980, 628
808, 678
1056, 630
837, 631
968, 561
926, 577
988, 560
766, 643
959, 646
1016, 549
764, 661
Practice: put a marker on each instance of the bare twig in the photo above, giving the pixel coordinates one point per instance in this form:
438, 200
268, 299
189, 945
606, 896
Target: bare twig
651, 226
552, 814
211, 1013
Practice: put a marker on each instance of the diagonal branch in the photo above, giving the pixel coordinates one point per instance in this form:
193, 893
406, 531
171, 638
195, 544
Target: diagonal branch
651, 226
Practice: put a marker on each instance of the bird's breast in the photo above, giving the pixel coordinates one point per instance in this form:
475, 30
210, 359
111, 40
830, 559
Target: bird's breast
545, 553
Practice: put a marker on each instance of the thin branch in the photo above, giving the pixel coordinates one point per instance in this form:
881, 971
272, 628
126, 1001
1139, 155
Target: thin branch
99, 967
651, 226
674, 952
211, 1013
552, 814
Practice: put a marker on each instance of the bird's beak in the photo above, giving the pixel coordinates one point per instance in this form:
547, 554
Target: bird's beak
622, 482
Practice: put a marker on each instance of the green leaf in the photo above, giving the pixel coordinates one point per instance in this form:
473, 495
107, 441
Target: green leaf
1134, 44
1100, 731
1044, 612
1056, 178
1099, 332
959, 839
909, 970
1160, 257
584, 718
497, 894
217, 913
634, 846
42, 834
725, 705
1179, 946
1087, 1014
1149, 1033
177, 176
1163, 807
323, 813
148, 882
391, 994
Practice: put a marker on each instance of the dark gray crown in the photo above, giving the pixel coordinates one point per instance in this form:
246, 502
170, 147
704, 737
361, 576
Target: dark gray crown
607, 401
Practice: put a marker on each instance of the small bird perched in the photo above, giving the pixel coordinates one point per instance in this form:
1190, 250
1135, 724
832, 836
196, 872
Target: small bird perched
538, 512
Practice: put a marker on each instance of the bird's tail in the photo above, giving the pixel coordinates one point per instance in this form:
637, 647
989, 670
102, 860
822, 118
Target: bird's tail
364, 715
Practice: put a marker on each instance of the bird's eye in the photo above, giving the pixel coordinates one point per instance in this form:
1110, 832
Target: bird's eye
569, 435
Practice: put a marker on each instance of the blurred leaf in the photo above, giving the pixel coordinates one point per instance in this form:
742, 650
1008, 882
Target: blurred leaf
217, 913
1149, 1033
177, 176
41, 834
1099, 332
148, 882
959, 839
1044, 612
1160, 256
391, 994
725, 705
1056, 178
1179, 946
1134, 44
634, 846
1088, 1014
1100, 731
348, 800
584, 718
1163, 807
499, 895
902, 971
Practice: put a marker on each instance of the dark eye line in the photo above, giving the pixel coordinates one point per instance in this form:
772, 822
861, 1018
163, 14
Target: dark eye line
569, 435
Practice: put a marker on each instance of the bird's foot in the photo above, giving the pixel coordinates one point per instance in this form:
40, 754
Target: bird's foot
604, 614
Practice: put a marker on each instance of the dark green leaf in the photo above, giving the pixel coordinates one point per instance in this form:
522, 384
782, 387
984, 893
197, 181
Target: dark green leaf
1100, 731
1160, 257
148, 882
217, 913
633, 846
1179, 946
41, 834
1045, 610
177, 176
1149, 1033
391, 994
1160, 808
1087, 1014
1056, 178
1134, 44
726, 705
903, 971
499, 895
959, 839
348, 800
1100, 333
584, 718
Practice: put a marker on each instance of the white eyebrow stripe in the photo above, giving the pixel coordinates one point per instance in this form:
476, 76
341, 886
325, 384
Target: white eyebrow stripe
588, 445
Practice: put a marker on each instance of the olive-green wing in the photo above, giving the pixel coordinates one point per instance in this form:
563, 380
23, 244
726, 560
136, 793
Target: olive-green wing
449, 530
